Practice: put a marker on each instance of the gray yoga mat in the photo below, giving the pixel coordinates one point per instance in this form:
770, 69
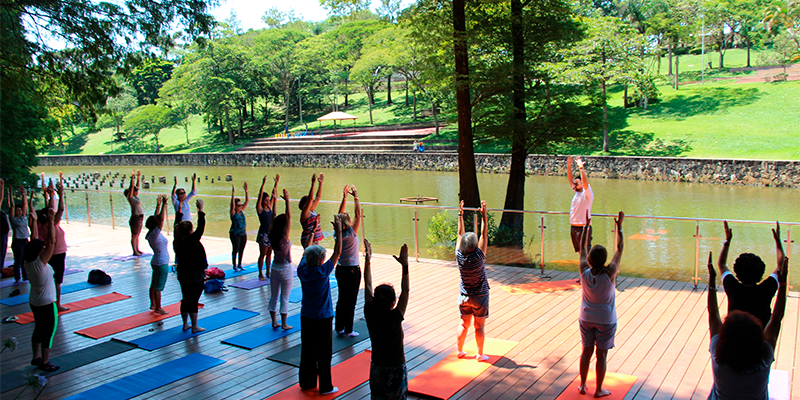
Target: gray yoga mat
291, 355
14, 379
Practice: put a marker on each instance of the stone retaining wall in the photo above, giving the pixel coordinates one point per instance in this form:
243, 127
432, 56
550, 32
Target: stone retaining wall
719, 171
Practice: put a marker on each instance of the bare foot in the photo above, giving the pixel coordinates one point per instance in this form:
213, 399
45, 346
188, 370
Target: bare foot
602, 393
161, 311
62, 308
286, 327
152, 307
582, 388
274, 325
186, 327
196, 329
261, 277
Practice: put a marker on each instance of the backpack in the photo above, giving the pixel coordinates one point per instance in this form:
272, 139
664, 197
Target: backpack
98, 277
214, 285
215, 273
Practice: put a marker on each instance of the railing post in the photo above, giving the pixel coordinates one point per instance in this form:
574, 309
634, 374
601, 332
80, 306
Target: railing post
88, 215
416, 235
475, 223
541, 250
66, 209
697, 237
788, 252
166, 215
111, 200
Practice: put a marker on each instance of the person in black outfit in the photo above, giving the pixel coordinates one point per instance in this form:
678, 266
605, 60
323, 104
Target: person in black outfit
192, 263
388, 376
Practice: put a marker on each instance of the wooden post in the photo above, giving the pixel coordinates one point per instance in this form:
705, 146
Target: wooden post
541, 250
788, 252
416, 235
111, 200
696, 254
88, 215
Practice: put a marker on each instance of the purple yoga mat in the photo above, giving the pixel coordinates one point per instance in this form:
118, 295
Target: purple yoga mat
250, 284
130, 257
10, 282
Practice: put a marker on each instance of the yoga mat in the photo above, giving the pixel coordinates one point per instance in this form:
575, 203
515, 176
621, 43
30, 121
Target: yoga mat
218, 259
23, 298
263, 335
130, 257
123, 324
11, 282
250, 284
779, 385
230, 273
27, 317
448, 376
617, 384
153, 378
291, 355
177, 334
296, 294
346, 375
69, 361
542, 286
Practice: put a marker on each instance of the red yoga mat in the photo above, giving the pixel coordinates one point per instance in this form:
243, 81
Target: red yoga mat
543, 286
617, 384
448, 376
27, 317
123, 324
346, 375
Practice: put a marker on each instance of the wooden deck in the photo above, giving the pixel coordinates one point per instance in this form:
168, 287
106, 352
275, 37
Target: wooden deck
662, 336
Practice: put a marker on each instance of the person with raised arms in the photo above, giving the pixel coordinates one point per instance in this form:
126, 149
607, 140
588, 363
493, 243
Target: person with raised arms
348, 272
280, 272
265, 209
238, 231
309, 219
160, 260
474, 287
137, 211
581, 205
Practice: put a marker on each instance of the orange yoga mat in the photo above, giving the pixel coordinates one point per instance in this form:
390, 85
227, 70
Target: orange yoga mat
617, 384
448, 376
123, 324
542, 286
27, 317
346, 375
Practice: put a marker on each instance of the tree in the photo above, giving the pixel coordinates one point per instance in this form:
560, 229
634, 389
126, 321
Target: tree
117, 108
467, 177
149, 120
785, 13
101, 39
148, 77
611, 53
366, 71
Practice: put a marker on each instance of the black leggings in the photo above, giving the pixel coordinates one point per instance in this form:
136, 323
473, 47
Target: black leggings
349, 279
18, 247
190, 293
238, 242
46, 321
315, 354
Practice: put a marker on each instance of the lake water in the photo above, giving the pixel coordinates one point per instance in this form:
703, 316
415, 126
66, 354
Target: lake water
654, 248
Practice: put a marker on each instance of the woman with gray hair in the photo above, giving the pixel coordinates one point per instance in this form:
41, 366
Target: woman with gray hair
316, 314
474, 297
348, 272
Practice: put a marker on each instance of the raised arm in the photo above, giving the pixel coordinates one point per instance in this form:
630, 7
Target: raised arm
613, 266
201, 221
342, 205
460, 224
306, 211
161, 211
33, 225
367, 272
138, 178
337, 247
174, 186
714, 322
776, 234
584, 178
584, 260
357, 215
259, 209
288, 228
60, 211
50, 245
274, 197
232, 209
570, 177
723, 254
246, 196
318, 197
483, 241
131, 186
402, 301
194, 186
774, 325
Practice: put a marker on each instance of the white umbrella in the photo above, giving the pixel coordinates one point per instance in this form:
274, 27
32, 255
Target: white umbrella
337, 115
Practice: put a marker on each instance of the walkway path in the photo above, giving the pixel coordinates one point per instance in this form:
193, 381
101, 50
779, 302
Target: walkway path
662, 337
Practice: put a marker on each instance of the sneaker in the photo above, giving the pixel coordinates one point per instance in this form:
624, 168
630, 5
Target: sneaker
462, 354
353, 334
48, 367
10, 318
36, 361
332, 391
482, 357
341, 332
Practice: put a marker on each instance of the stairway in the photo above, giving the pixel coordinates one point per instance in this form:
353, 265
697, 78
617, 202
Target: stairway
393, 141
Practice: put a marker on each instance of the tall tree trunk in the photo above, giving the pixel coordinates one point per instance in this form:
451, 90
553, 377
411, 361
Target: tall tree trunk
415, 105
605, 117
244, 108
677, 77
721, 50
669, 58
625, 96
241, 122
346, 86
228, 122
747, 41
406, 85
389, 90
435, 112
286, 107
467, 177
369, 103
512, 222
252, 109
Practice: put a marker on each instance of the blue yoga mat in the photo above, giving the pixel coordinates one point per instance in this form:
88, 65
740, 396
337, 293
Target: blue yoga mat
218, 259
24, 298
153, 378
296, 295
263, 335
177, 334
229, 273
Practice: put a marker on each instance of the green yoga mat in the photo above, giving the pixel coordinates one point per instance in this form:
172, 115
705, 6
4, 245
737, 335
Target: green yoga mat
291, 355
14, 379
